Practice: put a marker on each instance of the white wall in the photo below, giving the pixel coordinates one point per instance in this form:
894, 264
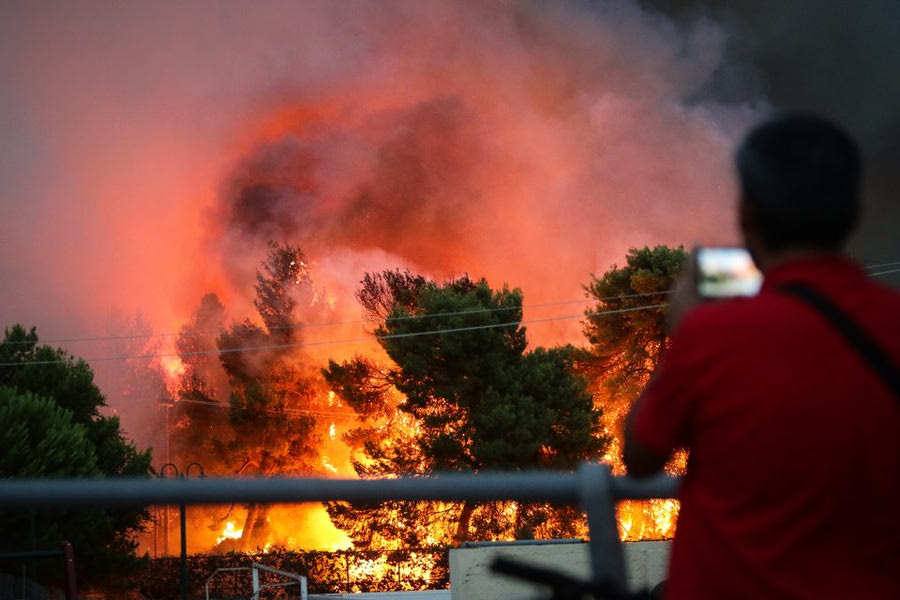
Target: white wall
471, 577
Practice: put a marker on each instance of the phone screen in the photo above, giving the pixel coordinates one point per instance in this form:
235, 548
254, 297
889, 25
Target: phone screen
726, 272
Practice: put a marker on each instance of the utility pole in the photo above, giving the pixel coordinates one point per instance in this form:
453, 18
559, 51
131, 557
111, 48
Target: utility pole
167, 404
182, 517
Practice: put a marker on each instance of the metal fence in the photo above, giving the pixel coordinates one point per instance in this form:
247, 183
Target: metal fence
592, 486
257, 586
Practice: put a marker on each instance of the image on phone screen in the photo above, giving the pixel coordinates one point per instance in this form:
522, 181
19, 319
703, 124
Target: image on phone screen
726, 272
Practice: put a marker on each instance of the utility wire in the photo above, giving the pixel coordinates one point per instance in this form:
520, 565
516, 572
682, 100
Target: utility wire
343, 341
293, 411
337, 323
362, 321
890, 264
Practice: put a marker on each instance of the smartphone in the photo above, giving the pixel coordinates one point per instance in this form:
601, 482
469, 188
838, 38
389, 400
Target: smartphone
726, 272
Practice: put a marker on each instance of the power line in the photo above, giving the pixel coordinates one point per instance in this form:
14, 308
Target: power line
885, 272
346, 340
890, 264
292, 411
359, 322
339, 323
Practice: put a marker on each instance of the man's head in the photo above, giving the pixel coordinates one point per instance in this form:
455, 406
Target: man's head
800, 178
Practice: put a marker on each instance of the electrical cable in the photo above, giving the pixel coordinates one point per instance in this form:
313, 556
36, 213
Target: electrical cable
344, 341
293, 411
337, 323
356, 340
890, 264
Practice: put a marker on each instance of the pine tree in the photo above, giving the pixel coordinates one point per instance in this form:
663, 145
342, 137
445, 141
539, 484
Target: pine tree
463, 394
250, 411
50, 408
625, 328
626, 332
200, 413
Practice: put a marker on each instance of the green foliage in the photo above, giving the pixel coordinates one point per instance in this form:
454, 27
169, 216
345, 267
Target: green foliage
448, 378
271, 392
381, 292
626, 346
361, 385
473, 396
39, 439
483, 400
283, 287
53, 427
49, 372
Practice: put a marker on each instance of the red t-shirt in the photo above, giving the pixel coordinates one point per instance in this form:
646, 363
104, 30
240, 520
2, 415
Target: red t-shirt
793, 481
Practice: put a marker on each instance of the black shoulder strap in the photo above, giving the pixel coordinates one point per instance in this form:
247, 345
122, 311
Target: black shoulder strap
868, 348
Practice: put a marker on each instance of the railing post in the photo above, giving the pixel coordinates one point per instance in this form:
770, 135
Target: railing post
347, 568
606, 553
255, 575
182, 520
71, 585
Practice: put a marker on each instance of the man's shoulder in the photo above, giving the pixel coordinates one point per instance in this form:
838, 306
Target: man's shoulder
737, 312
775, 314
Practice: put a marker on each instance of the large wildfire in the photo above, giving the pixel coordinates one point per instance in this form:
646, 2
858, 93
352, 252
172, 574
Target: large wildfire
528, 143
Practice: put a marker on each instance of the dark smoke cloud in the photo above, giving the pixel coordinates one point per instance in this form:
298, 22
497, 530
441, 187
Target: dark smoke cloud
151, 150
529, 143
416, 198
840, 59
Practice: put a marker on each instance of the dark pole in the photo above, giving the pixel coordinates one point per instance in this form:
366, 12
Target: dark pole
167, 404
162, 475
183, 511
71, 586
32, 538
184, 584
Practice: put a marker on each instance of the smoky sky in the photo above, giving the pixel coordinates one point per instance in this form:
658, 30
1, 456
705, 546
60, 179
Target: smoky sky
150, 151
839, 59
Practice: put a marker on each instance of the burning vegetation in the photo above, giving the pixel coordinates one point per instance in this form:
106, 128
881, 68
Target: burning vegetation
451, 385
347, 274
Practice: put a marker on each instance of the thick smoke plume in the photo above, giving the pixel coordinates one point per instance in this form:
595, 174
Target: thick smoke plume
152, 150
527, 143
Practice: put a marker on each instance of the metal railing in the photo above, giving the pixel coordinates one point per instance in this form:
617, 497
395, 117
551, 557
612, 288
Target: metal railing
257, 587
65, 552
591, 486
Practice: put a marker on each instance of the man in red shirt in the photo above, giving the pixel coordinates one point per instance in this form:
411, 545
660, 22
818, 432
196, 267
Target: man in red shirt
793, 479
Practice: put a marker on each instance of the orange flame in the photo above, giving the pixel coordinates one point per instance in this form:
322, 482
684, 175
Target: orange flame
230, 532
172, 369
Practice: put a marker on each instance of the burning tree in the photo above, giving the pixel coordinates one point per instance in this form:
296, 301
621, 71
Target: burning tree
462, 394
130, 383
202, 389
625, 348
270, 394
